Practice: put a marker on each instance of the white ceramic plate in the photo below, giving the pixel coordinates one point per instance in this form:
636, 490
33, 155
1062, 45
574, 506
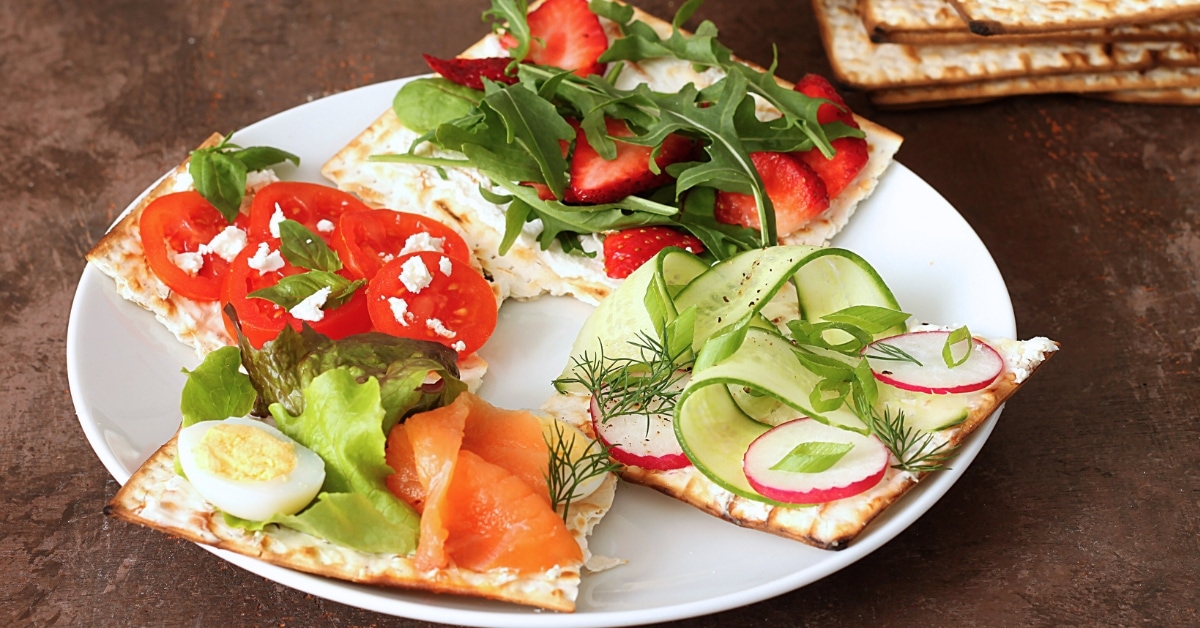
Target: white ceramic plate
125, 379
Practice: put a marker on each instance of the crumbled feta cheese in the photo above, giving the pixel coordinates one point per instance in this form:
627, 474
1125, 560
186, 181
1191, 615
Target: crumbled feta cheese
265, 260
226, 244
422, 241
310, 308
438, 328
183, 183
414, 274
259, 179
325, 226
187, 261
445, 266
459, 346
276, 218
400, 310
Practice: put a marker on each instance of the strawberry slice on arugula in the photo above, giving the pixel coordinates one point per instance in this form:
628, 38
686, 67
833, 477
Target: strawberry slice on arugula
795, 190
625, 251
851, 152
471, 72
596, 180
564, 34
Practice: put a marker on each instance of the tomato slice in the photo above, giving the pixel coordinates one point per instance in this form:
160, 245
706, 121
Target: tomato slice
181, 223
306, 203
262, 320
456, 309
366, 240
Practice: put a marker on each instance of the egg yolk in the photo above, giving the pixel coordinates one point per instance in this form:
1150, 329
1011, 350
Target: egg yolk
244, 453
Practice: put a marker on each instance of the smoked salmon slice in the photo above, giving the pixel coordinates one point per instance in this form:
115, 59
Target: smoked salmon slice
477, 474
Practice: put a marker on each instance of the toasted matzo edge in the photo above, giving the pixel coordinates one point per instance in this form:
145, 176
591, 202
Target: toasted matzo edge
832, 525
859, 62
990, 17
935, 22
119, 255
1176, 96
156, 497
1156, 78
526, 271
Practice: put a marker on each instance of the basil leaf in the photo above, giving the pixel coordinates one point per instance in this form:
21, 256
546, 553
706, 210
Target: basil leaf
812, 457
259, 157
216, 389
424, 104
306, 249
962, 334
293, 289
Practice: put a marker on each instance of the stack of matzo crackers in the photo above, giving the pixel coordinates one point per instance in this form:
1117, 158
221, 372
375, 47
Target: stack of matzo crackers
912, 53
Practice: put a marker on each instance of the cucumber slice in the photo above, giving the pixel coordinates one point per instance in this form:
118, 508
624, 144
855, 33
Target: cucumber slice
827, 280
715, 435
835, 279
621, 317
925, 411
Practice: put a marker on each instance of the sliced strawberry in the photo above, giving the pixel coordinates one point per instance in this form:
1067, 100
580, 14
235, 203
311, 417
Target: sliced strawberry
596, 180
570, 35
796, 192
471, 72
815, 86
851, 151
625, 251
839, 171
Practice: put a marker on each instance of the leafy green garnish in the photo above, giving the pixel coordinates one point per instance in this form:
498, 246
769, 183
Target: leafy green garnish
216, 389
426, 104
812, 457
284, 367
342, 422
915, 451
345, 519
512, 133
565, 475
219, 172
890, 352
305, 249
960, 335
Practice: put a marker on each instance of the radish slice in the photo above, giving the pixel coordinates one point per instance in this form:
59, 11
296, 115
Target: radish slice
808, 462
639, 441
932, 375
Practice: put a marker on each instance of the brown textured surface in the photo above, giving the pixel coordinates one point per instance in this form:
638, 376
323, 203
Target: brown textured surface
1081, 510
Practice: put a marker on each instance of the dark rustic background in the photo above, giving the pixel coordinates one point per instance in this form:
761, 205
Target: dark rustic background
1081, 510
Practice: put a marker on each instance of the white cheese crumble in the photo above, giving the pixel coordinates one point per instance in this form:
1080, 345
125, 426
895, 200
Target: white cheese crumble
310, 308
265, 260
438, 328
414, 274
1024, 357
459, 346
445, 265
187, 261
422, 241
276, 218
259, 179
183, 183
226, 244
325, 226
400, 310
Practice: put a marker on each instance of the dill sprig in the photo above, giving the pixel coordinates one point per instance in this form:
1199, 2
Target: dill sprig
647, 385
892, 353
565, 474
914, 450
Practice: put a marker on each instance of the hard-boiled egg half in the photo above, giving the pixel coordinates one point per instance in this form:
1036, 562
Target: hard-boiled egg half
249, 469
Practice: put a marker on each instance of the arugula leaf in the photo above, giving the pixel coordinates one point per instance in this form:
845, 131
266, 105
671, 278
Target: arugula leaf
510, 15
216, 389
219, 172
812, 457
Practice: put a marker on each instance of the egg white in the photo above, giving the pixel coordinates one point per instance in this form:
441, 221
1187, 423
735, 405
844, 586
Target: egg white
256, 500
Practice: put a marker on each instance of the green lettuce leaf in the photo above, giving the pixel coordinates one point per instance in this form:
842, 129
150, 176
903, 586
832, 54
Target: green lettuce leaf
216, 389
